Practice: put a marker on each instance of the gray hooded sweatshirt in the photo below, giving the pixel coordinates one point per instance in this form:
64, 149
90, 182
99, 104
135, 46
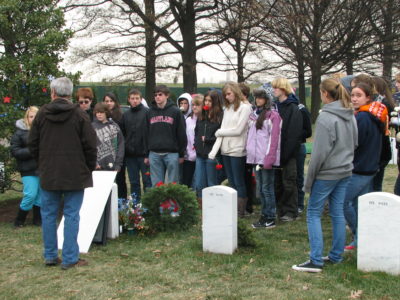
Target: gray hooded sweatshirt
336, 138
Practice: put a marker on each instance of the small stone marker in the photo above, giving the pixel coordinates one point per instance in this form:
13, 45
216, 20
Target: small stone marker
378, 246
219, 219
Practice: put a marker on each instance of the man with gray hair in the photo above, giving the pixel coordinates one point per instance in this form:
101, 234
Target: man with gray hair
63, 143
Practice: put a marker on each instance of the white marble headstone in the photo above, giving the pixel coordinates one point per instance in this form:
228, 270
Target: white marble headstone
113, 221
378, 246
94, 201
219, 219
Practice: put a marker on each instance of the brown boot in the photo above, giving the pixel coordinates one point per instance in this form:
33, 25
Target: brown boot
241, 206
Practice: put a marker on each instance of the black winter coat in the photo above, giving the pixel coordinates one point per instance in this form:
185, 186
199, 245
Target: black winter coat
26, 164
135, 126
207, 129
292, 128
63, 142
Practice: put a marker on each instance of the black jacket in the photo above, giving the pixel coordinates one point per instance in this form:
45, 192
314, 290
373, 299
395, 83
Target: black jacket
134, 127
207, 129
167, 129
63, 142
292, 128
26, 164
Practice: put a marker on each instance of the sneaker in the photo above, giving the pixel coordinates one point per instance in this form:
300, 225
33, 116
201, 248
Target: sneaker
52, 262
79, 263
287, 218
328, 261
264, 224
349, 248
307, 266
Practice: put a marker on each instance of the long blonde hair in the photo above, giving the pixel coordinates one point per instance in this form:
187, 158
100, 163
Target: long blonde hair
235, 89
283, 84
336, 91
30, 109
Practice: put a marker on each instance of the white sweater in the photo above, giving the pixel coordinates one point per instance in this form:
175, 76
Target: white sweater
232, 135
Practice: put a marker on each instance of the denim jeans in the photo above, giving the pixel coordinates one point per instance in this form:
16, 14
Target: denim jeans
49, 211
358, 186
234, 167
161, 164
301, 157
136, 166
205, 174
335, 191
266, 187
31, 192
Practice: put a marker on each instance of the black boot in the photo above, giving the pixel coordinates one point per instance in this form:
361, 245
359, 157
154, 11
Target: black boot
21, 217
37, 218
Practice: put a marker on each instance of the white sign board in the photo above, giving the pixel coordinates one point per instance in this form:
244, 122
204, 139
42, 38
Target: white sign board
113, 222
219, 219
94, 201
378, 245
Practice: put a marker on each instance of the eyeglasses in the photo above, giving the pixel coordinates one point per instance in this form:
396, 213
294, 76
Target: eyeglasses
158, 94
84, 102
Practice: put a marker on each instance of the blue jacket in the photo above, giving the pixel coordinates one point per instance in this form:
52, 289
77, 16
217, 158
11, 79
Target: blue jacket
368, 152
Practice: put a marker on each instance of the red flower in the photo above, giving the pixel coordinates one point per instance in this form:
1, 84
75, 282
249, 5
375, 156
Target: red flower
159, 184
147, 173
44, 90
206, 107
6, 99
173, 182
218, 167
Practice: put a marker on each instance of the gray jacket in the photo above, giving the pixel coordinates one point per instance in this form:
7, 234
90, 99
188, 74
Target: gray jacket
336, 138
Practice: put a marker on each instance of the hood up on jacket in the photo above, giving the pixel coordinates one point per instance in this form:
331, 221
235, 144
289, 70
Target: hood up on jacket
59, 110
20, 124
185, 96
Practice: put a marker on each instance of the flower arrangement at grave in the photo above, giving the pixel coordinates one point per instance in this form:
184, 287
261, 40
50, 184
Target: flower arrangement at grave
131, 214
170, 207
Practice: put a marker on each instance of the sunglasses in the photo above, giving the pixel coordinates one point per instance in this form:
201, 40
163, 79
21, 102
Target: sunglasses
84, 102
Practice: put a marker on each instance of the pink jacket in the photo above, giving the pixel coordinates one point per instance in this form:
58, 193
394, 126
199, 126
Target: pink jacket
263, 146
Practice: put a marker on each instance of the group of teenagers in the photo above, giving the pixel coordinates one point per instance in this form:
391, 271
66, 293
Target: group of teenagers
188, 141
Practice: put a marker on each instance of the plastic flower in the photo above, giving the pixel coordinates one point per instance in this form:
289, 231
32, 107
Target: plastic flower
44, 90
206, 107
147, 173
6, 99
159, 184
218, 166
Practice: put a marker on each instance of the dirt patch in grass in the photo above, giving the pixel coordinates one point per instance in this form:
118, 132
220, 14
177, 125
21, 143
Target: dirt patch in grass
8, 210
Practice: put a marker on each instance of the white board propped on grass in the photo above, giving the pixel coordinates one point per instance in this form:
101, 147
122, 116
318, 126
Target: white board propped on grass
94, 201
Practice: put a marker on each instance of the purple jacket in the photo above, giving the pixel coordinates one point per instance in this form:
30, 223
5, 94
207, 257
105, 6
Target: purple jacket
190, 153
263, 146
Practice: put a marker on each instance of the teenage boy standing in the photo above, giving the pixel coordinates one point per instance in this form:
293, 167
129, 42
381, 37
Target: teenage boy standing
134, 127
166, 139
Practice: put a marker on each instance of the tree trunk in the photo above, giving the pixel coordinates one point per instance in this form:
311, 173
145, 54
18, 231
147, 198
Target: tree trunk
240, 60
387, 60
315, 91
188, 54
302, 83
349, 66
150, 53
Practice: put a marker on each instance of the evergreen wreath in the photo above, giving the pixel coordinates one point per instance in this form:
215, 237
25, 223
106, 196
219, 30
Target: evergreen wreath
170, 207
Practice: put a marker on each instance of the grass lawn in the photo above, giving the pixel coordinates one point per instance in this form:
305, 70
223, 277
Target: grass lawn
173, 266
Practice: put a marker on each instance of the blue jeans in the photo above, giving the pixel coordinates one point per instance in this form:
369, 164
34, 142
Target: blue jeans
358, 186
266, 179
234, 168
335, 191
31, 192
205, 174
49, 211
161, 163
301, 157
136, 166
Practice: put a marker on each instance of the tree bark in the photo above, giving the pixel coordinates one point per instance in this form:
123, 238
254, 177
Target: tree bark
150, 53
